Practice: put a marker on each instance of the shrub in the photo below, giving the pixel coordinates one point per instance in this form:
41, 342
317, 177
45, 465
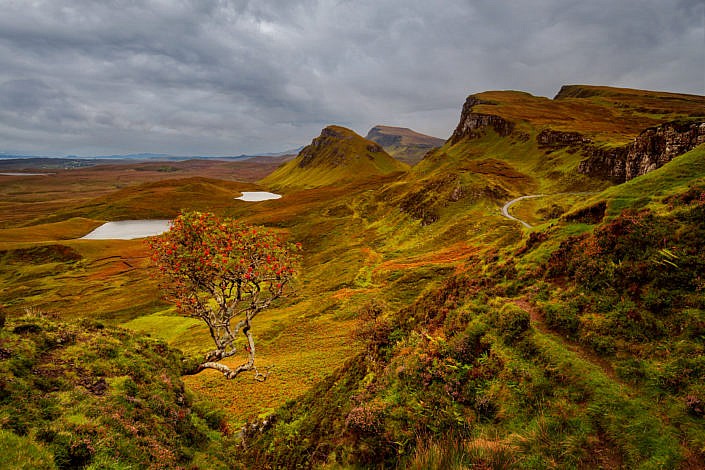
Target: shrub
695, 401
562, 317
486, 406
513, 321
467, 346
214, 416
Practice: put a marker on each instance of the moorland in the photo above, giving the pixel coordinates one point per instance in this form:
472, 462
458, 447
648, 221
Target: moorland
428, 330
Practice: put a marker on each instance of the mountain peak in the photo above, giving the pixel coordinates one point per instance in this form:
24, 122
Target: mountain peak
337, 155
337, 146
403, 143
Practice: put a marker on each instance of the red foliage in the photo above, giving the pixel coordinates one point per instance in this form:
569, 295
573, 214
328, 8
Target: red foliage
207, 258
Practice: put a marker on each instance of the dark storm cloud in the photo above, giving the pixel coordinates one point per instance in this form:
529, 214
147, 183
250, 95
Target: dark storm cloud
225, 77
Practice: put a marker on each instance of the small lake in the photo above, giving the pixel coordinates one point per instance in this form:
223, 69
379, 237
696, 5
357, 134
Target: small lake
128, 230
255, 196
25, 174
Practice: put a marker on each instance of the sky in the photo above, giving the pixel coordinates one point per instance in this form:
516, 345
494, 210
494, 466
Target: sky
226, 77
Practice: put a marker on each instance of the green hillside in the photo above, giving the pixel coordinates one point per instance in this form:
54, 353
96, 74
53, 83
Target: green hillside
85, 395
338, 155
490, 345
428, 330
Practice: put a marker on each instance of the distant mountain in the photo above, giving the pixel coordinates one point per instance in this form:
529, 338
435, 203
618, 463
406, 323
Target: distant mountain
337, 155
22, 162
402, 143
147, 157
140, 156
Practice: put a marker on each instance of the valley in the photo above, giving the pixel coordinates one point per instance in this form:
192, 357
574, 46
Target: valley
525, 294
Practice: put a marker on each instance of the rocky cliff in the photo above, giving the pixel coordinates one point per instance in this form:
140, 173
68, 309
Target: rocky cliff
473, 125
653, 148
558, 139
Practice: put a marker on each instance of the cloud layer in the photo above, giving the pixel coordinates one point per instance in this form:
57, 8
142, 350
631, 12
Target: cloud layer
223, 77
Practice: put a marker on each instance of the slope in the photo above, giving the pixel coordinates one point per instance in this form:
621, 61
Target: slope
337, 155
575, 344
459, 337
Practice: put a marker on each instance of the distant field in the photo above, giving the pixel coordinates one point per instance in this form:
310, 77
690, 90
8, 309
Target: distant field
26, 198
45, 267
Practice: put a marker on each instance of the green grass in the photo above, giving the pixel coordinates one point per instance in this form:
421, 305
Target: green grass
633, 423
21, 452
338, 155
81, 394
450, 352
165, 325
649, 189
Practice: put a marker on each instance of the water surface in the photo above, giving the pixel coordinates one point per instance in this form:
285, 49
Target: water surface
254, 196
10, 173
128, 230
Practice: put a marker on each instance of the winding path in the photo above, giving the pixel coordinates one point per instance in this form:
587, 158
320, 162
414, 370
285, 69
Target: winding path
505, 209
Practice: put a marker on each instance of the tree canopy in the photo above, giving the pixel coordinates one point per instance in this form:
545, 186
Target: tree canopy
225, 273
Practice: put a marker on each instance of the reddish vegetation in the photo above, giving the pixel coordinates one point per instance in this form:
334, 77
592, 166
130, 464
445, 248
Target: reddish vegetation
224, 273
23, 199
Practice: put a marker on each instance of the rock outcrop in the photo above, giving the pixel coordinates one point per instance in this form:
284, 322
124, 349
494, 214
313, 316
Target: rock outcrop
473, 125
558, 139
652, 149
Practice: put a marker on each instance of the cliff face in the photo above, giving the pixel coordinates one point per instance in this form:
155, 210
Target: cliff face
652, 149
557, 139
473, 125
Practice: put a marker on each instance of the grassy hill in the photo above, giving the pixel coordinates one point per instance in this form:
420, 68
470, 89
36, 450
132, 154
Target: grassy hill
337, 155
428, 331
531, 348
83, 395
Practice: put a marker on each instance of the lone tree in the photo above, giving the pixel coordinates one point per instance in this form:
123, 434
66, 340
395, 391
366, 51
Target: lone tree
225, 273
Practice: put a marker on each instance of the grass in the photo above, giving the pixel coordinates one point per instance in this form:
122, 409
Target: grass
300, 353
444, 357
632, 422
81, 394
18, 452
165, 325
338, 155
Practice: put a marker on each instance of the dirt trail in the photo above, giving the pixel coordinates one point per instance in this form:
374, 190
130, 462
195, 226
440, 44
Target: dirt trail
538, 322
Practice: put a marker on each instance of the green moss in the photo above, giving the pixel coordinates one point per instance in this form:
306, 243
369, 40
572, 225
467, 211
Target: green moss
23, 452
79, 414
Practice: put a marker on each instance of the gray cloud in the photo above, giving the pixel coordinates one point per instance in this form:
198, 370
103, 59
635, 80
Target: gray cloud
226, 77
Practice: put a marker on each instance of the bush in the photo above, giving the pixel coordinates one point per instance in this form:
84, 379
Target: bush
513, 321
561, 317
467, 346
695, 401
213, 415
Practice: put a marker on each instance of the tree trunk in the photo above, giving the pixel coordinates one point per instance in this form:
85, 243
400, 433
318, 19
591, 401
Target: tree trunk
227, 371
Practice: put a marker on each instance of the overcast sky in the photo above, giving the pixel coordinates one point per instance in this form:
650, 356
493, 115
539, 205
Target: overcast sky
225, 77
